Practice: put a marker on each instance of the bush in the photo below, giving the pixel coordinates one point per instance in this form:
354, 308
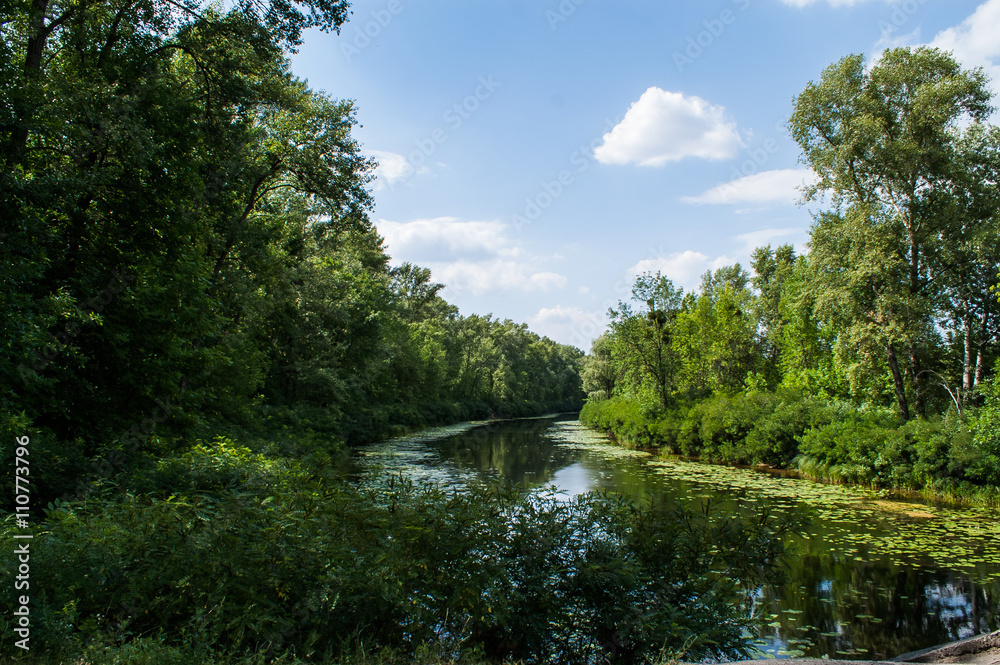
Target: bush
628, 421
256, 555
852, 447
982, 455
826, 440
775, 438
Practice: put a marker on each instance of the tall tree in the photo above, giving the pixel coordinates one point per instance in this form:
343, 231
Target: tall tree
882, 141
642, 337
161, 169
599, 375
772, 269
966, 267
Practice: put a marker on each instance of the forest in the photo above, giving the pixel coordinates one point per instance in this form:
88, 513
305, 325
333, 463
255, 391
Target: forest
199, 318
187, 249
871, 359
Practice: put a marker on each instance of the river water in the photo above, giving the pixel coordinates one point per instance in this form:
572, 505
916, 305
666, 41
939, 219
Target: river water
871, 579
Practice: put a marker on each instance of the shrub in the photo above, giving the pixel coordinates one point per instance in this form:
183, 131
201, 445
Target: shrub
255, 555
776, 437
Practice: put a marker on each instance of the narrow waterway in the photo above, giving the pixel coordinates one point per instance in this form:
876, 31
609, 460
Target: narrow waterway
871, 579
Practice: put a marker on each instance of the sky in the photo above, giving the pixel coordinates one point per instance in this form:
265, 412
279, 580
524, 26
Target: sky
537, 155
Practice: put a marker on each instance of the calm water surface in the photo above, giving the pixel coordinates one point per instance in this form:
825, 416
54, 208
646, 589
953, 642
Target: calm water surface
872, 579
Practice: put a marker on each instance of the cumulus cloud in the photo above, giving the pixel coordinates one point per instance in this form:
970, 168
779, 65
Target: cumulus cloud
446, 238
974, 41
664, 126
683, 268
780, 186
468, 256
569, 325
480, 277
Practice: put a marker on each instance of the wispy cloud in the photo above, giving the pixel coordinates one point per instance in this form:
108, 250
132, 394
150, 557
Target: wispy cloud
779, 186
392, 167
755, 239
832, 3
569, 325
974, 41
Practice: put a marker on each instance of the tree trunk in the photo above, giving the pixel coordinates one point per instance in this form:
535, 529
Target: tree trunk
918, 382
904, 408
32, 66
984, 338
915, 288
968, 373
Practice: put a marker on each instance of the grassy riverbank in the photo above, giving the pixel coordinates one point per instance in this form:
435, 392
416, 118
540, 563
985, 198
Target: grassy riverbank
834, 441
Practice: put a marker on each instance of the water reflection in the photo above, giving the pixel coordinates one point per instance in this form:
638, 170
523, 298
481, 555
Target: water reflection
871, 579
574, 479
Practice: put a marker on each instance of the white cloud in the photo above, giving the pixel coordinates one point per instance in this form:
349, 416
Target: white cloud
569, 325
444, 238
481, 277
779, 186
683, 268
468, 256
665, 126
974, 41
890, 39
392, 167
833, 3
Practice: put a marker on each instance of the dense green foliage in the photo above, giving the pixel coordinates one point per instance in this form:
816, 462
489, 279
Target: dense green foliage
186, 259
222, 553
833, 440
186, 250
868, 359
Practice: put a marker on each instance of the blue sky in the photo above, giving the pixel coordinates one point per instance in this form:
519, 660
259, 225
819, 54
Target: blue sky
537, 155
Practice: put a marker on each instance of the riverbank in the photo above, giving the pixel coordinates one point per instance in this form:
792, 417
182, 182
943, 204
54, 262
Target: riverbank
942, 458
980, 649
384, 421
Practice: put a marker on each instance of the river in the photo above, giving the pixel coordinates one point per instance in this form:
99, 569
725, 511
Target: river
871, 579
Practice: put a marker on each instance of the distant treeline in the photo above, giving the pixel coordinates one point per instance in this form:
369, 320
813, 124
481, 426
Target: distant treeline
870, 359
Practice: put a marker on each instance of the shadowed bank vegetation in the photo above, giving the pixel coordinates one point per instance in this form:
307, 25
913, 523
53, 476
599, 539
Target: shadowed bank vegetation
227, 556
